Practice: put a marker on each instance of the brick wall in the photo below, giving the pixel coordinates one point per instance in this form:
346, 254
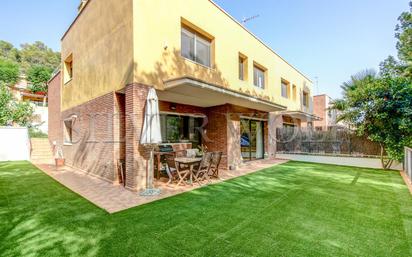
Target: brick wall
319, 109
55, 128
92, 149
136, 154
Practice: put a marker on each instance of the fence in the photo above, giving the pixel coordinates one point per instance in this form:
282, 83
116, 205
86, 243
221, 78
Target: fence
407, 164
335, 141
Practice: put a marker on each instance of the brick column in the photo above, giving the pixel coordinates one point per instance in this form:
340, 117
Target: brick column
274, 121
234, 155
136, 154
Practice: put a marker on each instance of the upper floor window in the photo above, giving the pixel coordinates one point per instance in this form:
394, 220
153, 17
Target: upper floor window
196, 47
305, 99
285, 88
294, 92
68, 69
259, 76
242, 67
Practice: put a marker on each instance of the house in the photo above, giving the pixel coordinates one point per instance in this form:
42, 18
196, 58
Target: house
328, 117
218, 85
21, 92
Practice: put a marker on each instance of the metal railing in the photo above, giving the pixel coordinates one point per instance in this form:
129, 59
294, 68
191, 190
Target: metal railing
407, 163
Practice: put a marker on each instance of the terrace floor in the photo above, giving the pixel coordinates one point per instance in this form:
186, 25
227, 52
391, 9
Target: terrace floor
115, 198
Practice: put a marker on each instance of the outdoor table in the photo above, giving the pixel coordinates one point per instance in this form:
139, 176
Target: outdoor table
191, 162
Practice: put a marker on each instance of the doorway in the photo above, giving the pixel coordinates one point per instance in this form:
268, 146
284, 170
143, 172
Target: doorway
251, 139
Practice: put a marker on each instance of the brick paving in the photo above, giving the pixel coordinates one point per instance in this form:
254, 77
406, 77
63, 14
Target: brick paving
115, 198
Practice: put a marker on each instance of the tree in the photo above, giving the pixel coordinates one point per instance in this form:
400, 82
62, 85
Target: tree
38, 76
11, 111
379, 108
38, 54
9, 72
8, 51
404, 36
391, 67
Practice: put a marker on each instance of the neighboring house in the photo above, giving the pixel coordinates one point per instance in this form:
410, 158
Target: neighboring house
328, 117
38, 101
209, 71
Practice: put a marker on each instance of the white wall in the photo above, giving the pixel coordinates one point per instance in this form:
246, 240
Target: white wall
43, 112
14, 144
338, 160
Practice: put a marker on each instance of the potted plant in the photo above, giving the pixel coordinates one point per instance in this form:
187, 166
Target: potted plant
58, 155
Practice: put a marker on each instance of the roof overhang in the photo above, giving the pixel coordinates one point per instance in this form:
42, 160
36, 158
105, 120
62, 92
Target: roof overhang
198, 93
303, 116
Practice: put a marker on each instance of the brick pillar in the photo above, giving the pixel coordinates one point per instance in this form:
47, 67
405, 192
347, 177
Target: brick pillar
136, 154
275, 121
234, 155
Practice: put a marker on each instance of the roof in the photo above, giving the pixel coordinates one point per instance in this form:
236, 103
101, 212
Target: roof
224, 12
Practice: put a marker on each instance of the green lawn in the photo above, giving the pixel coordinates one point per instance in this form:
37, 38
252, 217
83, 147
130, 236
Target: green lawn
295, 209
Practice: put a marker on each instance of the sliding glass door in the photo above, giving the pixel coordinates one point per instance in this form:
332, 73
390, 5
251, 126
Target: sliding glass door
251, 139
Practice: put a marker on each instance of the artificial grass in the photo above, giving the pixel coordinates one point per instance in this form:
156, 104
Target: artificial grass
294, 209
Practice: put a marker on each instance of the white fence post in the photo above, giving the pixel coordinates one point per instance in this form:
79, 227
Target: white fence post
408, 162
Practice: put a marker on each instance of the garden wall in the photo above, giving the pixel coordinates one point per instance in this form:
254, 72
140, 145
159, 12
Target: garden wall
14, 144
338, 160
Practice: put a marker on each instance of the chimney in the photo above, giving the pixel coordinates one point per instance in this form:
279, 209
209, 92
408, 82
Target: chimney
82, 5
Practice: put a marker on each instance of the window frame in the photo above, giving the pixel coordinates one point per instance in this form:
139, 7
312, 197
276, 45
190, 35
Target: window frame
197, 37
294, 92
256, 78
68, 69
285, 90
305, 100
68, 135
243, 67
181, 130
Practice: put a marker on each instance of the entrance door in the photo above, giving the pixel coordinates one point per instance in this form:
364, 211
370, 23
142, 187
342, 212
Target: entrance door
251, 139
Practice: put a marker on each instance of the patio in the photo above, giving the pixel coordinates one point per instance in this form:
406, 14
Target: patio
115, 198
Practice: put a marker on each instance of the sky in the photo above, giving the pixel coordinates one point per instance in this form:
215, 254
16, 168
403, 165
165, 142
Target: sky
327, 40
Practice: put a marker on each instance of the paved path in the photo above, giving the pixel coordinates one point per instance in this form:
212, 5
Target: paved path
115, 198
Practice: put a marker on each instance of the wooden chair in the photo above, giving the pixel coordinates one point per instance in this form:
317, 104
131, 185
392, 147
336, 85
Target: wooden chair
214, 167
175, 171
202, 172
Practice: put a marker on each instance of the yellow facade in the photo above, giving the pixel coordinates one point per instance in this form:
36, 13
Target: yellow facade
114, 43
100, 42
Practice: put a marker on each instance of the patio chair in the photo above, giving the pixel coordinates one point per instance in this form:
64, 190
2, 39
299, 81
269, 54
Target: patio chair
202, 171
175, 171
214, 167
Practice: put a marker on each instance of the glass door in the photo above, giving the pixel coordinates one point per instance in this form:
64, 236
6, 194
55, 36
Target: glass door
251, 139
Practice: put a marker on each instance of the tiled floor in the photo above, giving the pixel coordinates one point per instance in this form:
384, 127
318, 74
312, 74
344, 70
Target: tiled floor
115, 198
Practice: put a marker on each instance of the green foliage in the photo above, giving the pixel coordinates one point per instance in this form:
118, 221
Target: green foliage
36, 60
38, 54
9, 71
8, 51
404, 36
38, 76
391, 67
379, 108
403, 66
12, 111
36, 133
